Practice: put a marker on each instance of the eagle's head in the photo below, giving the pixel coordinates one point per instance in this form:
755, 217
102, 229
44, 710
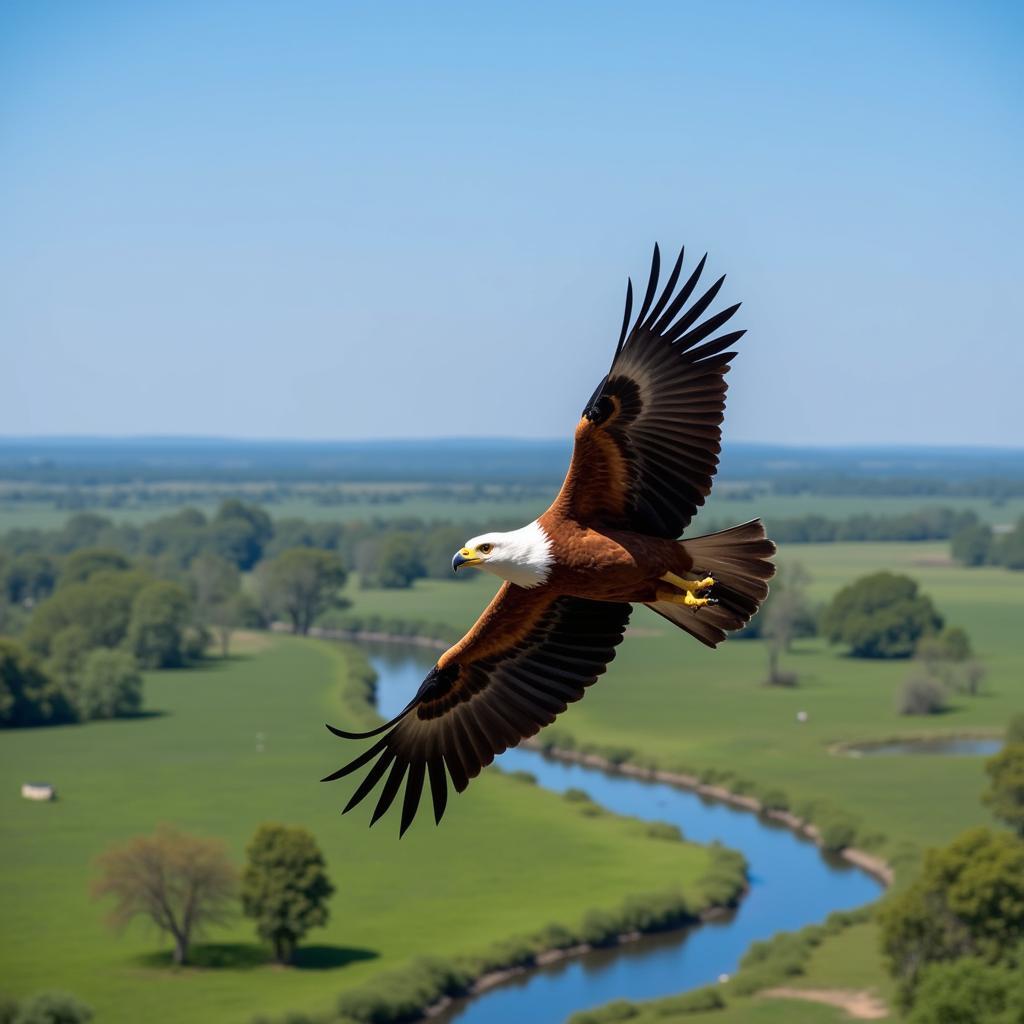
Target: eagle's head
520, 556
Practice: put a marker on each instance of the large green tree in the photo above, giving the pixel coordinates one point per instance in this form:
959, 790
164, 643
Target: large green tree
180, 883
156, 633
968, 900
1005, 794
239, 532
285, 887
880, 616
80, 565
102, 606
301, 583
110, 685
27, 695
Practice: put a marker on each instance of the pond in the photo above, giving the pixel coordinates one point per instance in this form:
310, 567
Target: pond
943, 746
792, 884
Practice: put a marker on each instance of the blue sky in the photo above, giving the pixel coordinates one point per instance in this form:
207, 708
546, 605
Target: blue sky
348, 220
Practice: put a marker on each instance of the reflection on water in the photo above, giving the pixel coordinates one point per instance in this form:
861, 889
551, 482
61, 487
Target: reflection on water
791, 883
948, 746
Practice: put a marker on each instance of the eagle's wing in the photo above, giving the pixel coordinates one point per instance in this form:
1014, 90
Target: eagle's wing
648, 443
528, 656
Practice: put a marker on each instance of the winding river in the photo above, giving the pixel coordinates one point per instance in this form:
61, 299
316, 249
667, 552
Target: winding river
792, 884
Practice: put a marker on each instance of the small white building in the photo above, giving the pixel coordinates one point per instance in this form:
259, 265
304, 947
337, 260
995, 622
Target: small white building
38, 791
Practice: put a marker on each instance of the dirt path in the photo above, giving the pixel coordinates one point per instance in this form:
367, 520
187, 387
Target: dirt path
860, 1005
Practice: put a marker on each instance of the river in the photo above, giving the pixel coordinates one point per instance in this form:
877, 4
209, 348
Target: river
792, 884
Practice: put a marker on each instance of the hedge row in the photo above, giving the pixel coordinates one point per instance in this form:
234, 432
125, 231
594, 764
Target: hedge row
337, 620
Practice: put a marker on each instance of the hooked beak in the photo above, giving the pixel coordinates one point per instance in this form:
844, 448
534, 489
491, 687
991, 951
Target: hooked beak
467, 556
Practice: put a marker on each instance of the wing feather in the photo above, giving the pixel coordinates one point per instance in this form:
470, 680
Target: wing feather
497, 686
647, 446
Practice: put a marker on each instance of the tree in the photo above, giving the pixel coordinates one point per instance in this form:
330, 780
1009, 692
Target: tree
968, 900
52, 1008
1015, 730
29, 578
1005, 793
27, 695
110, 685
182, 883
156, 632
785, 617
285, 887
80, 565
922, 695
214, 582
67, 658
102, 606
972, 544
239, 532
969, 991
880, 616
301, 583
399, 562
1009, 550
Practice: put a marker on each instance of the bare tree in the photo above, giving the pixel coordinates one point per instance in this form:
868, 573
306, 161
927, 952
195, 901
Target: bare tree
181, 883
785, 613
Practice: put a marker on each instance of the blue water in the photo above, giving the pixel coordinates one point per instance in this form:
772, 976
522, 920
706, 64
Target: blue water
949, 746
791, 883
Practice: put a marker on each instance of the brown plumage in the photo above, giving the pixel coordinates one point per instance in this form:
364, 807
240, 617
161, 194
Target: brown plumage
645, 453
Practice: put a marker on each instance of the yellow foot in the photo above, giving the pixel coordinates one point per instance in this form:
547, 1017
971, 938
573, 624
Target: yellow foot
687, 598
690, 586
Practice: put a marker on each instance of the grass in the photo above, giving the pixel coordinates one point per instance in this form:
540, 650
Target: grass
444, 891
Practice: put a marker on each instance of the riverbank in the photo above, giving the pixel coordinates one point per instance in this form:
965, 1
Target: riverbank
874, 865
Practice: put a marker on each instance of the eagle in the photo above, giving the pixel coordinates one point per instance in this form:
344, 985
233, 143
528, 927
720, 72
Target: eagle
645, 452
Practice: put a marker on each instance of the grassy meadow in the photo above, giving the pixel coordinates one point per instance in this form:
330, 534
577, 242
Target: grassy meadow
194, 762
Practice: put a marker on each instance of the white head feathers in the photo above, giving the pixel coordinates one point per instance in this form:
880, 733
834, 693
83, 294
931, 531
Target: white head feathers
521, 556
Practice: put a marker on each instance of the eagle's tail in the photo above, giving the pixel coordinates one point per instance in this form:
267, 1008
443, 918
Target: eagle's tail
739, 561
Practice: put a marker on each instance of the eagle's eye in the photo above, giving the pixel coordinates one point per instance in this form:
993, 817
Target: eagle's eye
485, 549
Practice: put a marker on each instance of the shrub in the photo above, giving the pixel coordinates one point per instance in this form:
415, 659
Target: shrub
620, 1009
599, 928
528, 778
1005, 794
922, 695
969, 991
774, 800
664, 830
837, 833
53, 1008
701, 1000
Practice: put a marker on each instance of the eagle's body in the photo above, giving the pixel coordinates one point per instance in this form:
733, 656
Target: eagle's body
645, 452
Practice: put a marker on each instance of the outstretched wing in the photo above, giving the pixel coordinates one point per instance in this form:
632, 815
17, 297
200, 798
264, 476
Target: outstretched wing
528, 656
647, 446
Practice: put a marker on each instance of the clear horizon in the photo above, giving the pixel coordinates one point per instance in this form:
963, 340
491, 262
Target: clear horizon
352, 223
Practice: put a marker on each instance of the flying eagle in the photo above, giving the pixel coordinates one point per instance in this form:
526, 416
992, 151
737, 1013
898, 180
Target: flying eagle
646, 449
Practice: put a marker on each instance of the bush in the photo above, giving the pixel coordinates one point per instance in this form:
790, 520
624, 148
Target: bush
774, 800
701, 1000
1005, 794
160, 613
27, 695
837, 833
922, 695
53, 1008
620, 1009
664, 830
969, 991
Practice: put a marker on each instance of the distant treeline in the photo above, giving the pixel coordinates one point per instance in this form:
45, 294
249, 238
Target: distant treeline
790, 470
925, 524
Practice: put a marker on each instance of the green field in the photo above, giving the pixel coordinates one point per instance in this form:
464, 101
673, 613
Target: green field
472, 509
195, 764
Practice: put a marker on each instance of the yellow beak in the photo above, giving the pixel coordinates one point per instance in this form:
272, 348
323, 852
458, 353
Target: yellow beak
467, 556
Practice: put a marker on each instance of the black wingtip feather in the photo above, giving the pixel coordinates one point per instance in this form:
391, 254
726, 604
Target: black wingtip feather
625, 316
